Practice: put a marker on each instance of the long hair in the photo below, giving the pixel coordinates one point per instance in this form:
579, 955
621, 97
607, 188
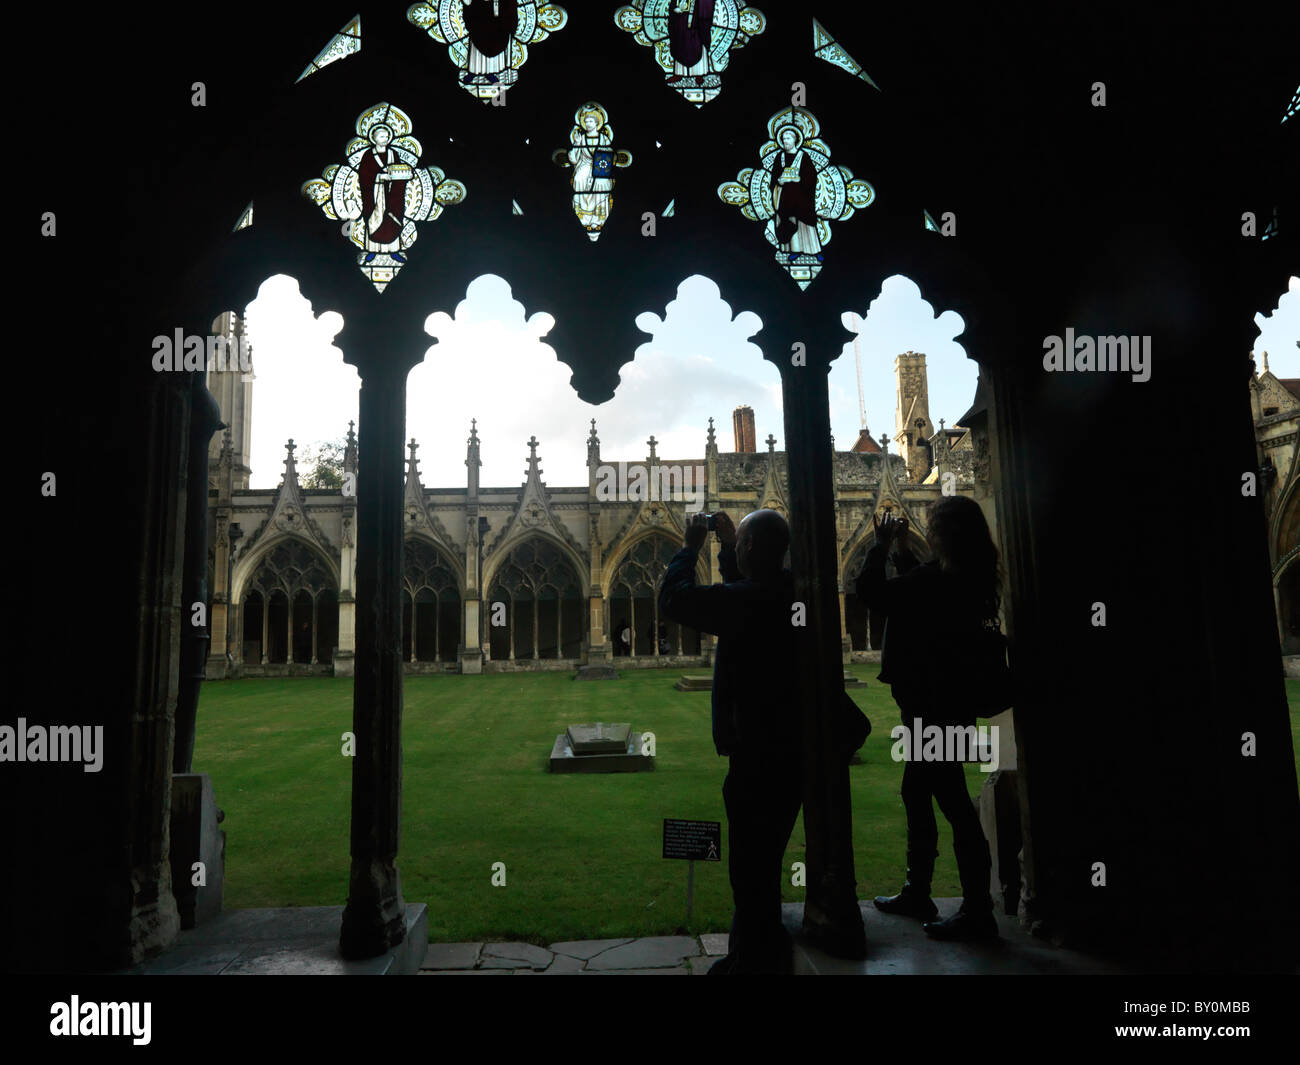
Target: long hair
964, 547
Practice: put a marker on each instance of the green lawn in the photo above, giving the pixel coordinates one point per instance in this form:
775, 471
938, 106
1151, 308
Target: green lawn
581, 851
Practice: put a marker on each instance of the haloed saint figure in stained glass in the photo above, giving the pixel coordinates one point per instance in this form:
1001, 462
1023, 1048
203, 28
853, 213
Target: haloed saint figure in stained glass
489, 24
381, 191
383, 178
794, 195
692, 40
797, 192
487, 39
593, 159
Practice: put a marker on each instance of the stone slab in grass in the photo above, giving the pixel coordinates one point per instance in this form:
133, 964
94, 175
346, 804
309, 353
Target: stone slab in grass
514, 956
596, 673
852, 681
652, 952
451, 956
598, 738
714, 942
587, 948
695, 683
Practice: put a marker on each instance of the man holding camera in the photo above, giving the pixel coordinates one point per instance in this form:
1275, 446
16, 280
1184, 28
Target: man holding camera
755, 715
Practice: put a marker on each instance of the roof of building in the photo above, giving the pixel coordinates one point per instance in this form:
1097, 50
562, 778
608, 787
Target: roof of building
866, 444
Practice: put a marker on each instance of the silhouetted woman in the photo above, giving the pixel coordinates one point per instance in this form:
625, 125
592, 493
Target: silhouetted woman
930, 611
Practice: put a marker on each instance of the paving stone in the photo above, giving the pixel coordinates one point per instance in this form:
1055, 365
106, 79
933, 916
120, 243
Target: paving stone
464, 972
714, 942
587, 948
563, 963
514, 956
701, 966
679, 971
649, 953
451, 956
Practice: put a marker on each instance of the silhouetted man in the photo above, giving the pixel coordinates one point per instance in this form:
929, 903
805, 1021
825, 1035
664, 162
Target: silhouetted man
755, 716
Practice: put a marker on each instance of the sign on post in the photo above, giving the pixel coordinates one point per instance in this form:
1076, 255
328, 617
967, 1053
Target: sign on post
694, 841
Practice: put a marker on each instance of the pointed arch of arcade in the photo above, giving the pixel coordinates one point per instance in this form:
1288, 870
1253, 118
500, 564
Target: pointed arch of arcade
631, 592
544, 603
433, 589
288, 604
864, 632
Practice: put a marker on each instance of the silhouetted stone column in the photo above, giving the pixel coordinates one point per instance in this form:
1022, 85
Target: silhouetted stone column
831, 915
205, 418
374, 918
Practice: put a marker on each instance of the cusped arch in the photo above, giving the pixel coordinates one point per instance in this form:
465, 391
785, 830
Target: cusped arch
625, 550
246, 569
444, 556
507, 553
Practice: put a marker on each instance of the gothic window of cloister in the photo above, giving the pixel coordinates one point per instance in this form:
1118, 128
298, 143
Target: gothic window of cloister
541, 605
431, 629
634, 602
290, 607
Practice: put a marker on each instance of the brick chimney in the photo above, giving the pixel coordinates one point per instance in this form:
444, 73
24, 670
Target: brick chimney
742, 419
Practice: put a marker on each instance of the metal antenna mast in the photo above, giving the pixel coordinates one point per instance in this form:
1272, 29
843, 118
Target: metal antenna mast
857, 361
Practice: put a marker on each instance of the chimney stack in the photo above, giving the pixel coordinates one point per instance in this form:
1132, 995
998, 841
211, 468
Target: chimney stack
742, 419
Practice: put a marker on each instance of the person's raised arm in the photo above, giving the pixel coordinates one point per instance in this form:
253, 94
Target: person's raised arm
728, 567
873, 587
705, 608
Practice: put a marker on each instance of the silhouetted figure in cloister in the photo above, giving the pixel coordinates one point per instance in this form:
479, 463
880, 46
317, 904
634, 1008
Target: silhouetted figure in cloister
755, 716
932, 611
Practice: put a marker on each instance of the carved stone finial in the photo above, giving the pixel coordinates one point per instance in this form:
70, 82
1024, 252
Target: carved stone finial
884, 443
771, 442
1266, 362
352, 436
652, 442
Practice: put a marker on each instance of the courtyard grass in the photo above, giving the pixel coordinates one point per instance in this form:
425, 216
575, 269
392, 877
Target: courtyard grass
582, 852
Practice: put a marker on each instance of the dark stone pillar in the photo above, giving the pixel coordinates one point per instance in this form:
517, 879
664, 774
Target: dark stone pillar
831, 915
374, 918
205, 418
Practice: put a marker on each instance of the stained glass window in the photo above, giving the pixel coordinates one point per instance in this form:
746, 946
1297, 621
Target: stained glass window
381, 192
487, 40
797, 192
929, 221
1293, 107
245, 218
692, 40
828, 48
593, 159
340, 46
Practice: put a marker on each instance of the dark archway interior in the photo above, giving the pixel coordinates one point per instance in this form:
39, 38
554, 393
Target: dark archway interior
1123, 219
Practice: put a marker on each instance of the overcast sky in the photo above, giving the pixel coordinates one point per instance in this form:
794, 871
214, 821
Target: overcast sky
492, 363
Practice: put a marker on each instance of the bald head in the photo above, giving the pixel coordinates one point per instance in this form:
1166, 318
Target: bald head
762, 540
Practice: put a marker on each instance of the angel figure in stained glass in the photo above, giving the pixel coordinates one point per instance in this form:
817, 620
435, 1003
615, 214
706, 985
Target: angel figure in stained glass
593, 159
